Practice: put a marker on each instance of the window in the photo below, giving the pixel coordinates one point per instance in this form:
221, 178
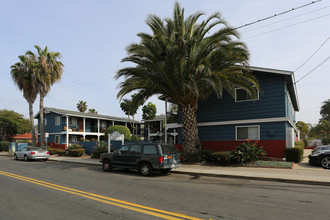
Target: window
135, 149
73, 139
248, 132
57, 120
73, 121
57, 139
242, 95
123, 149
150, 149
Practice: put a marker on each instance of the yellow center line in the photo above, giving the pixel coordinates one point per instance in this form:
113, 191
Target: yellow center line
107, 200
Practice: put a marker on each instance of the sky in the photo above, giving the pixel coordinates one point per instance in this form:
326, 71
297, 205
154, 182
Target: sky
92, 36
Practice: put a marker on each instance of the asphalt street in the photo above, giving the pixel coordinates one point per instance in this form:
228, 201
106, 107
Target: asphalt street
55, 190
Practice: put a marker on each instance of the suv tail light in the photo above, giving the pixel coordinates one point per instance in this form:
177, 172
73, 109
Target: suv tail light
33, 152
161, 159
47, 152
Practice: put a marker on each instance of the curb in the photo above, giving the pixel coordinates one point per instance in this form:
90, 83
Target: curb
306, 182
76, 162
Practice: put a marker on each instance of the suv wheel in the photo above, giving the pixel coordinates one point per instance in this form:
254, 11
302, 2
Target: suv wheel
15, 157
325, 162
26, 157
106, 165
146, 169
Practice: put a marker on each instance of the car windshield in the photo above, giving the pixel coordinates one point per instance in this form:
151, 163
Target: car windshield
168, 149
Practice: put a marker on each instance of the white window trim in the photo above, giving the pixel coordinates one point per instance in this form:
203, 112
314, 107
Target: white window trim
59, 139
57, 121
248, 126
248, 100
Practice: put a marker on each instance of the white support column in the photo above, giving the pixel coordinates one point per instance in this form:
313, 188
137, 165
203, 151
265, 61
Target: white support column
165, 120
67, 132
98, 126
113, 122
84, 125
98, 138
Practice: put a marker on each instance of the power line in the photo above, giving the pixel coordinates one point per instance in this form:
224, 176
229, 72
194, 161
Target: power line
312, 55
276, 15
287, 26
285, 19
313, 69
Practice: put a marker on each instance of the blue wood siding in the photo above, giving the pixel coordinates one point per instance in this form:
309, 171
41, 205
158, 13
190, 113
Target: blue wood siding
268, 131
51, 127
290, 112
271, 103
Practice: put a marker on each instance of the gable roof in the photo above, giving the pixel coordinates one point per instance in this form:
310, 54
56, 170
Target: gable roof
82, 114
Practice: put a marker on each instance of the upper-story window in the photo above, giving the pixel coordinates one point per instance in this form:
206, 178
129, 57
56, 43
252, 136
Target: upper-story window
241, 95
73, 121
57, 121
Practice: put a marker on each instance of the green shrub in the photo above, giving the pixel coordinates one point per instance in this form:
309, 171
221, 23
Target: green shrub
248, 152
299, 144
198, 156
4, 145
76, 152
74, 146
295, 154
135, 138
121, 129
222, 157
99, 149
325, 140
53, 151
61, 152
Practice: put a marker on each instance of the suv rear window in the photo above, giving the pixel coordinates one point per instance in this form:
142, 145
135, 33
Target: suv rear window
149, 149
168, 149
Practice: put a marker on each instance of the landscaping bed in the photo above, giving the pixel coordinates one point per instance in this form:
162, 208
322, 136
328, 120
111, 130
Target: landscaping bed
270, 164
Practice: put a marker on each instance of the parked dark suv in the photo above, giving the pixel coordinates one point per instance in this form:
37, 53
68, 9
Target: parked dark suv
145, 157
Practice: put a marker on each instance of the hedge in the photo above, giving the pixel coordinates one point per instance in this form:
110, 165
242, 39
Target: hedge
222, 157
295, 154
76, 152
4, 145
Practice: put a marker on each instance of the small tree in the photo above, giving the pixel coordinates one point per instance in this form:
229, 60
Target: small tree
130, 107
149, 111
325, 110
303, 128
121, 129
82, 106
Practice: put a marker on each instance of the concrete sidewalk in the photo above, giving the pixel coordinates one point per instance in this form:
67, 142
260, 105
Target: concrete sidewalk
301, 173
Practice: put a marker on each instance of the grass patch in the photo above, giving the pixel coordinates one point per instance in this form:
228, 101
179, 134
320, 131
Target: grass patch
269, 164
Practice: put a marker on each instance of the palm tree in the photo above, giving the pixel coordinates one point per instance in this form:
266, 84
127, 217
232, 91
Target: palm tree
186, 61
49, 71
92, 111
325, 110
25, 79
82, 106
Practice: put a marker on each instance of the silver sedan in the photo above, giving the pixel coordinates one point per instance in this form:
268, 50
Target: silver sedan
31, 153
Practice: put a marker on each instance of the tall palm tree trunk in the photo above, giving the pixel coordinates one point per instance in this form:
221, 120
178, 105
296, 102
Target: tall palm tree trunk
42, 129
190, 137
32, 124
